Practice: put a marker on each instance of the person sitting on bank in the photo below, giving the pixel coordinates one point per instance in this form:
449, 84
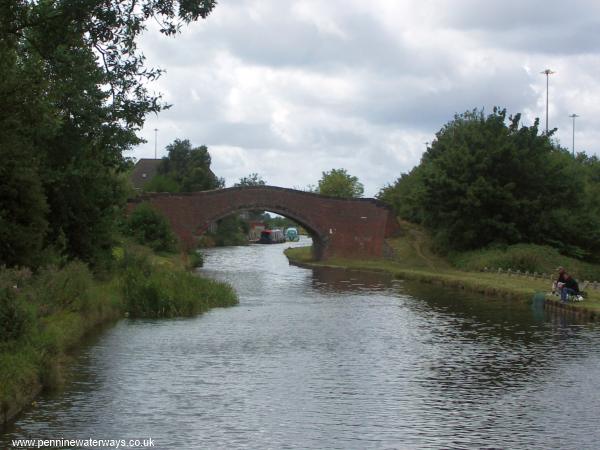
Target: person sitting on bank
570, 288
560, 281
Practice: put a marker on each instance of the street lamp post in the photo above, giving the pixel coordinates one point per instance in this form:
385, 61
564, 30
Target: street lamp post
573, 116
547, 72
155, 141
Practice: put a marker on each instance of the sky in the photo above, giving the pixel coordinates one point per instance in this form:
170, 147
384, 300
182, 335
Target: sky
289, 89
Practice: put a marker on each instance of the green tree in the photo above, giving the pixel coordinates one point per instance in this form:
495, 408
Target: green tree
78, 82
231, 230
162, 183
151, 228
488, 179
405, 195
25, 117
253, 179
339, 183
185, 169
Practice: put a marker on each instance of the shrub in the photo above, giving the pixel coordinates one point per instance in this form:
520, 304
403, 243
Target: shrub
63, 289
149, 227
231, 231
162, 183
195, 259
15, 316
18, 278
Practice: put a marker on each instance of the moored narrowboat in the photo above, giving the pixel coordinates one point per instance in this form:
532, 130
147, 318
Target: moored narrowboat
271, 237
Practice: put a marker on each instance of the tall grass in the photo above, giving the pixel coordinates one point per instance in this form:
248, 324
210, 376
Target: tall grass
525, 257
156, 291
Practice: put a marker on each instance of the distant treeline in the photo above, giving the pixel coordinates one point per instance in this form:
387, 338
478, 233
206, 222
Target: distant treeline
487, 180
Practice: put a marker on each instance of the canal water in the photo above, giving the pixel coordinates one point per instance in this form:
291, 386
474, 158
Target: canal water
317, 359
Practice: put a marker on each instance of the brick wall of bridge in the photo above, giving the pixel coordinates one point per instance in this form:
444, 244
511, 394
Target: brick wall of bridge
339, 227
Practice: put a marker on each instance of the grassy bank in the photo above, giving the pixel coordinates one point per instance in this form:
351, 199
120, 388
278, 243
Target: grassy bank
413, 259
44, 316
160, 286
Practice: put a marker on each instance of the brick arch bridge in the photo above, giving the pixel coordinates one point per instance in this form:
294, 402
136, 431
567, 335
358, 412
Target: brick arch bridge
340, 227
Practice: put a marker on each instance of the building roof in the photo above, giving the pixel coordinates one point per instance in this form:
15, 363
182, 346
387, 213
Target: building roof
143, 171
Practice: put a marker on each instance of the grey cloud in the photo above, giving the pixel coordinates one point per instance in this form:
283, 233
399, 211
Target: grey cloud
398, 91
256, 136
566, 28
286, 41
518, 14
389, 101
240, 135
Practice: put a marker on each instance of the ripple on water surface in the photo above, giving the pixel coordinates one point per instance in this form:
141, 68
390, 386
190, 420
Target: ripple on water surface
333, 359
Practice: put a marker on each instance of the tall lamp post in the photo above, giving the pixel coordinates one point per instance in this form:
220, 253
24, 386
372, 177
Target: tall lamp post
573, 116
547, 72
155, 141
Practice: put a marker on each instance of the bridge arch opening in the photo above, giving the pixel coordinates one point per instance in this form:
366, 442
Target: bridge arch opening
319, 237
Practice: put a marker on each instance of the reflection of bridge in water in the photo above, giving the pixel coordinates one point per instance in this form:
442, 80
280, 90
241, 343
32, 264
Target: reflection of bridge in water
338, 227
